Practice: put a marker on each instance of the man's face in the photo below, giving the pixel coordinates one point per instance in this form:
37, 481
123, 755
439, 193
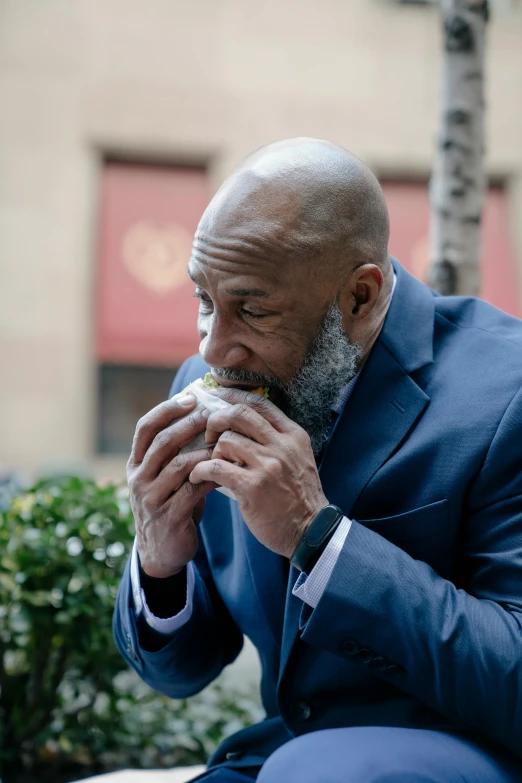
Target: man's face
265, 320
254, 316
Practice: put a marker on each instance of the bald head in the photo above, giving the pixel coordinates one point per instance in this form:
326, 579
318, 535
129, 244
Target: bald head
291, 267
305, 200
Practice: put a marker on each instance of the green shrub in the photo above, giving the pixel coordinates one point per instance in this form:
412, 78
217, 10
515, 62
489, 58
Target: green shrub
69, 705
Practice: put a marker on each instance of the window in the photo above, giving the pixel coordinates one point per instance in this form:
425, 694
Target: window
125, 394
496, 6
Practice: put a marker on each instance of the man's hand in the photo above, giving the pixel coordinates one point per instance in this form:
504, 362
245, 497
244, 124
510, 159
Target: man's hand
165, 504
267, 461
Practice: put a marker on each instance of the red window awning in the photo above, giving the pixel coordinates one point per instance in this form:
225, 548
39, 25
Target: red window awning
145, 309
409, 208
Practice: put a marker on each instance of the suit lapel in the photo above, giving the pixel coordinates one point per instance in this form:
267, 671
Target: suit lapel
382, 410
384, 406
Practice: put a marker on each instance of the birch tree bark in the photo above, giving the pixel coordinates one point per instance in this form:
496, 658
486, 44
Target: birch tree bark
458, 184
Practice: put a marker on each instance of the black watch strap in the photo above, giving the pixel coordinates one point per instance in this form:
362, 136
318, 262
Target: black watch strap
316, 538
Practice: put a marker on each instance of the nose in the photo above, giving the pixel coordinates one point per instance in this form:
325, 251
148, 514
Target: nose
219, 346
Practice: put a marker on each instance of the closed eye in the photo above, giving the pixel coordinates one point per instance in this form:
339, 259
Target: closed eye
250, 314
200, 295
207, 306
205, 298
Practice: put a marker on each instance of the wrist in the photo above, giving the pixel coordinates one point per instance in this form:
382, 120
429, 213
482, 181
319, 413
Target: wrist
154, 570
299, 531
316, 538
159, 577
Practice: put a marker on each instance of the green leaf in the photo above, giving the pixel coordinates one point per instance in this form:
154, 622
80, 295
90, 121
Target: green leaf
56, 629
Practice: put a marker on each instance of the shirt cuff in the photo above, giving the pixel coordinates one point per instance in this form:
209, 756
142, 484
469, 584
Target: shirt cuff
166, 625
309, 588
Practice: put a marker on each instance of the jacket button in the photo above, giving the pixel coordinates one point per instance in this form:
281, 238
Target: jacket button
233, 755
364, 655
349, 648
130, 649
300, 710
379, 663
395, 671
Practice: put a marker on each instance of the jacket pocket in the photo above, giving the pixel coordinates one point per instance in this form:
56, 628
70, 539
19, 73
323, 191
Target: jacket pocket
415, 525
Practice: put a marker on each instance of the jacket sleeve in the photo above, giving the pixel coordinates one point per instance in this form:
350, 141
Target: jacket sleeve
183, 663
457, 650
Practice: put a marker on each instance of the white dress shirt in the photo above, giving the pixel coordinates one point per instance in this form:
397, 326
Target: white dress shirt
308, 587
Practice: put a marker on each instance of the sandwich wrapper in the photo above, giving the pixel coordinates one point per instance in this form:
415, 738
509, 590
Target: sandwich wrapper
205, 399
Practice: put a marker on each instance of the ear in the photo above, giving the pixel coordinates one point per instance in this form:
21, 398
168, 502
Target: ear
361, 292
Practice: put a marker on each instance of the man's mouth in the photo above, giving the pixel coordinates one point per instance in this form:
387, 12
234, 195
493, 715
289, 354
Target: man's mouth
229, 384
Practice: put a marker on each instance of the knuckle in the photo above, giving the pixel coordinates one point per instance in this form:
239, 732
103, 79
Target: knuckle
194, 419
299, 434
258, 483
272, 466
179, 462
305, 439
226, 436
132, 482
154, 511
141, 426
162, 439
256, 401
227, 394
191, 489
216, 468
242, 410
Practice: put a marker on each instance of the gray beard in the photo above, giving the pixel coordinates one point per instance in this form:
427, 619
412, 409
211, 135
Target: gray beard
309, 397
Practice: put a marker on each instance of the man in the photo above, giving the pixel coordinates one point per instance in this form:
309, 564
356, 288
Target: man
395, 654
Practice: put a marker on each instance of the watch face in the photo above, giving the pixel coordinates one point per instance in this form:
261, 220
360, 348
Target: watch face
321, 524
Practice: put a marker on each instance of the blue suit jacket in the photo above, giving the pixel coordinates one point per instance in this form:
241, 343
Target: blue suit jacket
421, 622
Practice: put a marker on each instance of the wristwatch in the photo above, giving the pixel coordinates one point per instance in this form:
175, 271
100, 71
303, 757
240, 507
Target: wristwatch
315, 539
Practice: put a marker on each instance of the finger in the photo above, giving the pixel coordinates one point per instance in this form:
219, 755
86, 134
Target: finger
260, 404
221, 472
156, 420
169, 441
176, 472
189, 495
236, 448
240, 418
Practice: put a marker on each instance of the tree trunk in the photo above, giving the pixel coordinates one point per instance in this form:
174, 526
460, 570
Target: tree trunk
458, 184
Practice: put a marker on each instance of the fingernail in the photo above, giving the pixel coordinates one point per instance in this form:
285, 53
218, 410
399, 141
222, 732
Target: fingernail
187, 401
205, 413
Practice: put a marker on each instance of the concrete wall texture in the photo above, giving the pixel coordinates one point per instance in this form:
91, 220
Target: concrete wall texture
202, 81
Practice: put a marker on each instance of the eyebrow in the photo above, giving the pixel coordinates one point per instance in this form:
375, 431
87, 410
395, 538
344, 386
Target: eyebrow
246, 292
237, 291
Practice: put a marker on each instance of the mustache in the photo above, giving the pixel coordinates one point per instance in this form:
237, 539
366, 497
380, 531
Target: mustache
246, 376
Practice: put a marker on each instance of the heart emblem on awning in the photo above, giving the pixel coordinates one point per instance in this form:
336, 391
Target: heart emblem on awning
156, 256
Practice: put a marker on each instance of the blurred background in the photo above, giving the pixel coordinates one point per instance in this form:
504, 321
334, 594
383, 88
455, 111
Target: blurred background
120, 119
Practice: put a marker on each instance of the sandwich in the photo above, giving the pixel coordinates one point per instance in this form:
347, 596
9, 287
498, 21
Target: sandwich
202, 390
209, 382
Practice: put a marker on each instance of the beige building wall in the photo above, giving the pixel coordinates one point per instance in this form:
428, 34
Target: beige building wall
202, 81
